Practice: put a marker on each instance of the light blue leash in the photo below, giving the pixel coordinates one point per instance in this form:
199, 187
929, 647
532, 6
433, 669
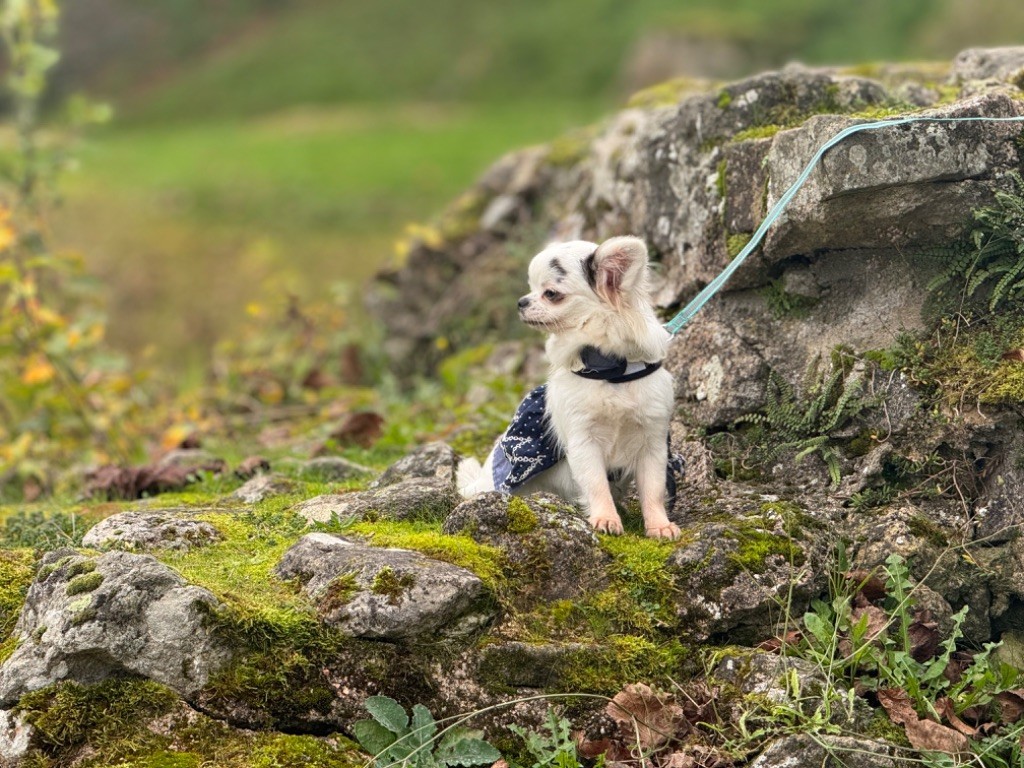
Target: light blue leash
686, 314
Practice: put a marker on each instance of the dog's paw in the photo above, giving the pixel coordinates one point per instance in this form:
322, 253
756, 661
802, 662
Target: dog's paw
668, 531
606, 523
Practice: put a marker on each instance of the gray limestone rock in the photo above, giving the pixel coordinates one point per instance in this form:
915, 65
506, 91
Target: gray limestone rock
433, 461
386, 594
545, 539
831, 752
732, 580
411, 499
988, 63
89, 618
261, 487
173, 528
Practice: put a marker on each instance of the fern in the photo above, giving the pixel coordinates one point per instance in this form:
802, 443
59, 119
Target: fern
987, 266
802, 422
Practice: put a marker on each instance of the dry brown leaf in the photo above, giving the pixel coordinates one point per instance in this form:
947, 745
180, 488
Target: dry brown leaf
252, 465
776, 644
927, 735
924, 636
1017, 355
867, 583
316, 380
650, 719
1011, 705
944, 707
31, 490
362, 428
118, 482
896, 702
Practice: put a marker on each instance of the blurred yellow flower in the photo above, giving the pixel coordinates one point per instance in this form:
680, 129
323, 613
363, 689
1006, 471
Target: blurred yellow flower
38, 370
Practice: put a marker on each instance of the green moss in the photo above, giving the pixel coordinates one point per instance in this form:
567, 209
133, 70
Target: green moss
78, 567
521, 519
665, 94
756, 546
339, 592
16, 572
8, 647
929, 531
720, 180
392, 585
782, 304
758, 132
724, 99
85, 582
487, 562
569, 149
736, 242
284, 751
622, 659
68, 715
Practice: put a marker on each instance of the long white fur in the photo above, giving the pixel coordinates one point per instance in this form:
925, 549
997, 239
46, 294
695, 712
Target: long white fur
600, 426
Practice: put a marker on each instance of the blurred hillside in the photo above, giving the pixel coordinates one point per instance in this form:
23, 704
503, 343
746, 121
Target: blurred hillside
264, 147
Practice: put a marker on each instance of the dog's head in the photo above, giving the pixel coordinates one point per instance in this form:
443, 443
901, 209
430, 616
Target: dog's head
572, 283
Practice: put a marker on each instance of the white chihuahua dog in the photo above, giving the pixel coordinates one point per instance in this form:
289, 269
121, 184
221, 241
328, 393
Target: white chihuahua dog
605, 410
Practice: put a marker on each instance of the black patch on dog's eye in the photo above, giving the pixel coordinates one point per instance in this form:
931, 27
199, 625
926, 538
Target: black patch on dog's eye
590, 270
557, 268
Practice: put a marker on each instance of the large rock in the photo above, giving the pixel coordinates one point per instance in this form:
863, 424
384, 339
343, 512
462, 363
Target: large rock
831, 752
433, 461
386, 594
174, 528
86, 619
550, 545
988, 63
733, 578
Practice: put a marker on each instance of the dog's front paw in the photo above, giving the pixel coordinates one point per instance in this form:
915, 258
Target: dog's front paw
606, 523
668, 531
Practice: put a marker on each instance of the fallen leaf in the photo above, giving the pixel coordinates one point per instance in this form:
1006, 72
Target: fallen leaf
944, 707
776, 644
119, 482
896, 702
361, 428
867, 584
650, 718
316, 380
1011, 705
31, 490
930, 736
251, 466
923, 734
1016, 355
924, 636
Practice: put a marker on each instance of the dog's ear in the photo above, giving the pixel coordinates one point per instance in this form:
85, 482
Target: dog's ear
618, 267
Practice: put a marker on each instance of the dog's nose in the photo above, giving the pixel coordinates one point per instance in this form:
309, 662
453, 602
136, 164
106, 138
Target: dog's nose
524, 302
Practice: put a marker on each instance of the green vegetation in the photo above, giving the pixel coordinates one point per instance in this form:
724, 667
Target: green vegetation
393, 738
802, 422
105, 726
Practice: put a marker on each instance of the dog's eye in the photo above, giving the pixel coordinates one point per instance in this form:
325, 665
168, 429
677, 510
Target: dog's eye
553, 296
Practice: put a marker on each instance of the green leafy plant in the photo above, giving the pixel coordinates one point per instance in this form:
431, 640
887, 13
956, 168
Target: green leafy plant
889, 652
393, 738
552, 744
989, 265
802, 421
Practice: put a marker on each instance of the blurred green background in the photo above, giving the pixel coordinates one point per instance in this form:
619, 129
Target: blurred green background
263, 148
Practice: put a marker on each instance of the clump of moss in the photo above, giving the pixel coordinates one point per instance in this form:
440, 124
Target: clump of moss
84, 582
736, 242
392, 585
757, 132
68, 715
720, 181
665, 94
16, 572
337, 593
521, 519
724, 99
622, 659
486, 561
569, 149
